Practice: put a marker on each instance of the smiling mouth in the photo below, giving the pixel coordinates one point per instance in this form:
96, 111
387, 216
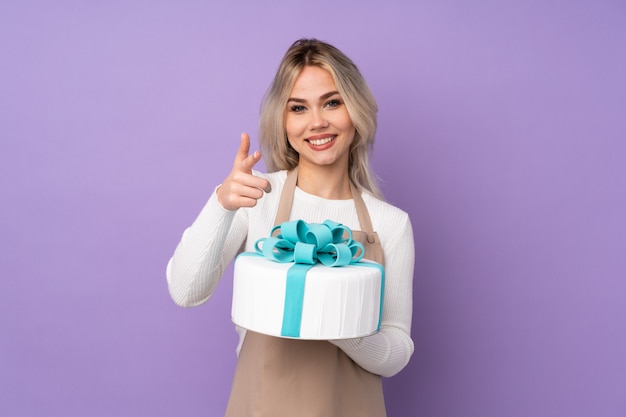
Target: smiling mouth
322, 141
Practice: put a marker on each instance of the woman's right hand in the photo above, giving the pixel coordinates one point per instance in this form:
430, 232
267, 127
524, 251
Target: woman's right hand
241, 188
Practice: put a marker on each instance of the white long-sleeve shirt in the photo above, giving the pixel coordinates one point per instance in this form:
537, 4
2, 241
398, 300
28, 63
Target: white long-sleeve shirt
217, 235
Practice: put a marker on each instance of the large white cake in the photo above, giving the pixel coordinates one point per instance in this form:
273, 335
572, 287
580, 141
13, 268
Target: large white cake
338, 302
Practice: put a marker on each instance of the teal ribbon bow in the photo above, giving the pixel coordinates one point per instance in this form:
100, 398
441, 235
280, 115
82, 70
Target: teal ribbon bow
330, 243
306, 244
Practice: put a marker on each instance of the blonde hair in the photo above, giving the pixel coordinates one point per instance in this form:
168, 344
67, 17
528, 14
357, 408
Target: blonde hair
360, 103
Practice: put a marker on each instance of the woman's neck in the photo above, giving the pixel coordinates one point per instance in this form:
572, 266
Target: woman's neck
327, 183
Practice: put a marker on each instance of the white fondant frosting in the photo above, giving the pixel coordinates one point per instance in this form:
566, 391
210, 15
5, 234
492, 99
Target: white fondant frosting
339, 303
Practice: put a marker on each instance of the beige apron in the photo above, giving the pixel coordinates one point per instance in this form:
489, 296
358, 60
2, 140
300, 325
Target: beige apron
279, 377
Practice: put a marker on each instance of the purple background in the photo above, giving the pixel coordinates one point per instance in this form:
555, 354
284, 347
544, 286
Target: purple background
502, 133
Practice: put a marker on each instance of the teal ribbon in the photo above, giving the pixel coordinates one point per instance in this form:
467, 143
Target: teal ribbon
306, 244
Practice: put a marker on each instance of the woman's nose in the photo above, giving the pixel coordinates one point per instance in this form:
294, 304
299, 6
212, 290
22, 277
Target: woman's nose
318, 121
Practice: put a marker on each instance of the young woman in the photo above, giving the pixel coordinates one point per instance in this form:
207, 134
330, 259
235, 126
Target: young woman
318, 122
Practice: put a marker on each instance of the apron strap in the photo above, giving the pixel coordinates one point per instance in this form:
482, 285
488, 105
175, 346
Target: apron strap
286, 197
361, 210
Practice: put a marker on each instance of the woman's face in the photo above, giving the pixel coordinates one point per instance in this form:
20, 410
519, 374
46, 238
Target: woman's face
317, 122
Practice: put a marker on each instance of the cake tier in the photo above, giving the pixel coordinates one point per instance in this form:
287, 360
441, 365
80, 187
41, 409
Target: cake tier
339, 303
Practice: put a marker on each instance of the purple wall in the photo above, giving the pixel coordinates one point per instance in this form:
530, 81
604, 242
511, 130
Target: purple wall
502, 133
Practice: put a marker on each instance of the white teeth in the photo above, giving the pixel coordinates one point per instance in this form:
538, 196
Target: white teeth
318, 142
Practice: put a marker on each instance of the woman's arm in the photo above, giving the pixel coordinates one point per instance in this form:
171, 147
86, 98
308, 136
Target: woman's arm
205, 250
212, 241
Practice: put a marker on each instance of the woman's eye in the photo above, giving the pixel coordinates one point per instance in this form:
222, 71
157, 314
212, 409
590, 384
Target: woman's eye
333, 103
297, 108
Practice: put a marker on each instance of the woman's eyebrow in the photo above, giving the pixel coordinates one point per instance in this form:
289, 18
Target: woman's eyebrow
329, 94
322, 97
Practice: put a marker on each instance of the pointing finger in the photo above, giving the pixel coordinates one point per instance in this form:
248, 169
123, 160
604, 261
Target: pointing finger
244, 148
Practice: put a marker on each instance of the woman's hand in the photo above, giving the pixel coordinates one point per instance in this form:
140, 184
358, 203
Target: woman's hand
241, 188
